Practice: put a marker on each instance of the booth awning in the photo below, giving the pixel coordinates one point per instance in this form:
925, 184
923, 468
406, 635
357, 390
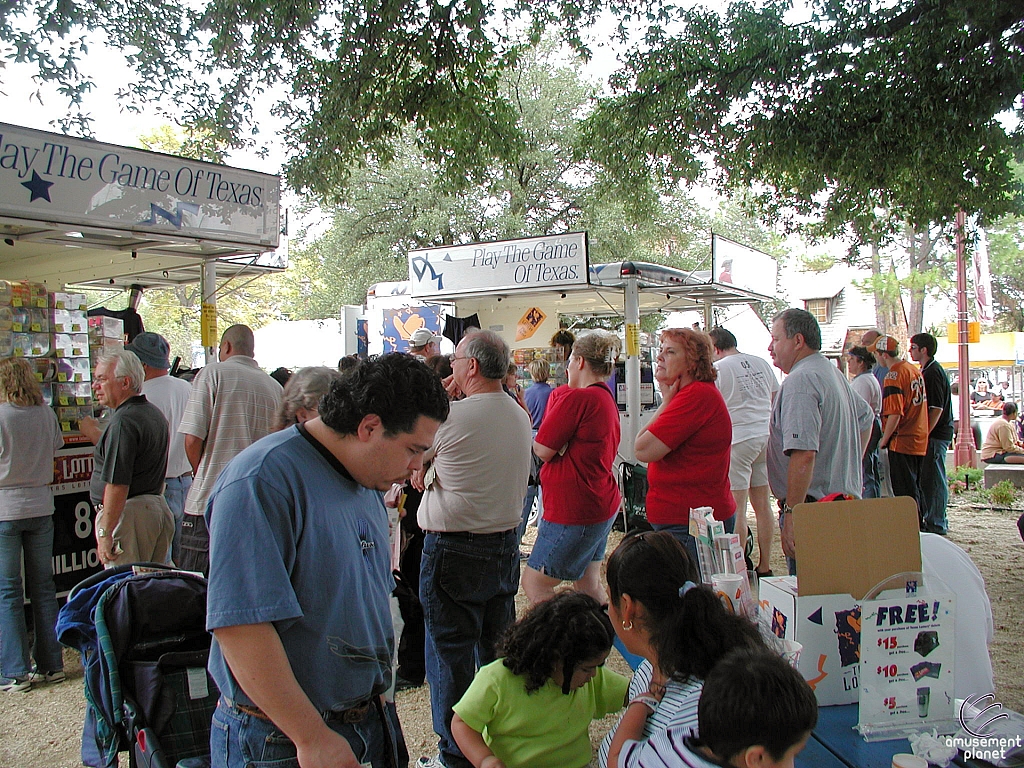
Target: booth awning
77, 212
662, 289
95, 258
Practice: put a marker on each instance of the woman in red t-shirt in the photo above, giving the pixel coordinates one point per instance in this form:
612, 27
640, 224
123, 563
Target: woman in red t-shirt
687, 444
577, 442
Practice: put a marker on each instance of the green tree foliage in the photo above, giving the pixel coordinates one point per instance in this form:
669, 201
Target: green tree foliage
1006, 263
542, 188
867, 105
348, 77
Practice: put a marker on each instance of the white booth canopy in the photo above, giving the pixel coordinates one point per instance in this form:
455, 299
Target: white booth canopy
77, 212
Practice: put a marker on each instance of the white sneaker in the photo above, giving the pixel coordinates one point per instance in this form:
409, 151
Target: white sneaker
47, 677
15, 684
430, 762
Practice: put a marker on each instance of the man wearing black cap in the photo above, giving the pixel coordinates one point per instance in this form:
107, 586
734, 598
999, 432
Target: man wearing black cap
170, 395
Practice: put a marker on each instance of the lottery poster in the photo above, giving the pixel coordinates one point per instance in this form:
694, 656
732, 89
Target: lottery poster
906, 663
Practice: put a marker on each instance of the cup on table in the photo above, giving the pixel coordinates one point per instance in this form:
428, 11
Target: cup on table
905, 760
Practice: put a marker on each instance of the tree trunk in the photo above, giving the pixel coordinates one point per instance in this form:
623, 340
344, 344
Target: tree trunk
881, 314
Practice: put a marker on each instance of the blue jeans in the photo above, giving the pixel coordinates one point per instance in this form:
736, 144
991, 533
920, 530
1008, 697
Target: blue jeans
682, 534
241, 740
934, 487
33, 538
175, 491
872, 486
468, 584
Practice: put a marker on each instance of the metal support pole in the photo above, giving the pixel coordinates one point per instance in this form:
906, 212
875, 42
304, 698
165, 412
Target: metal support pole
632, 311
965, 450
208, 311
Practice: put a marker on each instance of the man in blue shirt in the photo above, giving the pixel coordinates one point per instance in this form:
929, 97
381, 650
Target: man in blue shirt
300, 574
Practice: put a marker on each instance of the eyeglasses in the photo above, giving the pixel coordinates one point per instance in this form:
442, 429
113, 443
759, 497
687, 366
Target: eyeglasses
456, 357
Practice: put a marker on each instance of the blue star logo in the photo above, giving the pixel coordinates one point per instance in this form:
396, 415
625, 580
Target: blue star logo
39, 188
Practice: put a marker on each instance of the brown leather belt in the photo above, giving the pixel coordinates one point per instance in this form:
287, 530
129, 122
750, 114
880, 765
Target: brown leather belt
351, 715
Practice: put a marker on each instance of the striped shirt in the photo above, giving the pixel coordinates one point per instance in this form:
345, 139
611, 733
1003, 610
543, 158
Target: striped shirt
677, 708
671, 749
231, 406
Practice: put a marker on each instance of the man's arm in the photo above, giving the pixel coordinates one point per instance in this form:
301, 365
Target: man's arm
90, 427
114, 498
934, 414
194, 450
259, 663
891, 422
798, 480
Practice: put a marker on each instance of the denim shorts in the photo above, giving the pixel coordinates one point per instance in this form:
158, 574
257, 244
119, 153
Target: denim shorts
564, 551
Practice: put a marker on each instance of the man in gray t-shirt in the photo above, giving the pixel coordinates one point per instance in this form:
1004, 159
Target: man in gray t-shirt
819, 426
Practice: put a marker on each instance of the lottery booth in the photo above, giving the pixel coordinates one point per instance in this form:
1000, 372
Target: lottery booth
521, 288
77, 213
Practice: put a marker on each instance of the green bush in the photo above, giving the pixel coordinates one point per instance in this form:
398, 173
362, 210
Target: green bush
1003, 493
967, 475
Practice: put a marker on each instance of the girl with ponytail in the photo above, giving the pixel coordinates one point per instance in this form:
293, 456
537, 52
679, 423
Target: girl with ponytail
662, 612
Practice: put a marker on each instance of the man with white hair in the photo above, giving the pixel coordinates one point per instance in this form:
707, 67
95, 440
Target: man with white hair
471, 509
133, 522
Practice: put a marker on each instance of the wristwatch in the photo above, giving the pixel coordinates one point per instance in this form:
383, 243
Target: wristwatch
786, 509
101, 533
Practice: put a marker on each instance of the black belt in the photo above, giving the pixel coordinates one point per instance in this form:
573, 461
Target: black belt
356, 714
469, 535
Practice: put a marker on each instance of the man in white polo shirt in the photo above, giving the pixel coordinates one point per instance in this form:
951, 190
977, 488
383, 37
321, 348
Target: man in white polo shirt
170, 395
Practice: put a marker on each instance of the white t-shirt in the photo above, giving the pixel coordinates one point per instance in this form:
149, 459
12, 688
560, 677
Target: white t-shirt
867, 386
170, 395
481, 465
747, 384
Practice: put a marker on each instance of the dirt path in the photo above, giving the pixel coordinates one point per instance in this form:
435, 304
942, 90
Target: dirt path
42, 729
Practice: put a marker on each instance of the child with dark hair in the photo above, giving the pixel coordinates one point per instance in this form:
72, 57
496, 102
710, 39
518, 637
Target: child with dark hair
756, 712
533, 707
679, 626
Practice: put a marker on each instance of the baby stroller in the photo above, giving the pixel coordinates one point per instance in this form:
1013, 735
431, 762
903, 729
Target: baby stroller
141, 630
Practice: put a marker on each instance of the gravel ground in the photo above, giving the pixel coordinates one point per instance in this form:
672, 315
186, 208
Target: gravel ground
42, 728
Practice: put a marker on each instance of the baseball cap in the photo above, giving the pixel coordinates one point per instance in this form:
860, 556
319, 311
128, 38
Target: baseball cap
152, 349
888, 344
421, 337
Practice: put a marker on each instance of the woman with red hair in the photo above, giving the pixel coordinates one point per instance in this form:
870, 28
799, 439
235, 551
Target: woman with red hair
687, 444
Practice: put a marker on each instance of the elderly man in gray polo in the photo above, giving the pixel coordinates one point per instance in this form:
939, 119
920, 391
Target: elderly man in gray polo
133, 521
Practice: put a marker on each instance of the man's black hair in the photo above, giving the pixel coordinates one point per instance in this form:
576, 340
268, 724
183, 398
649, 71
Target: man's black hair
754, 698
397, 387
926, 342
722, 338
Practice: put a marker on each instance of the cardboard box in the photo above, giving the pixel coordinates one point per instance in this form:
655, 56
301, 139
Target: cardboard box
844, 549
